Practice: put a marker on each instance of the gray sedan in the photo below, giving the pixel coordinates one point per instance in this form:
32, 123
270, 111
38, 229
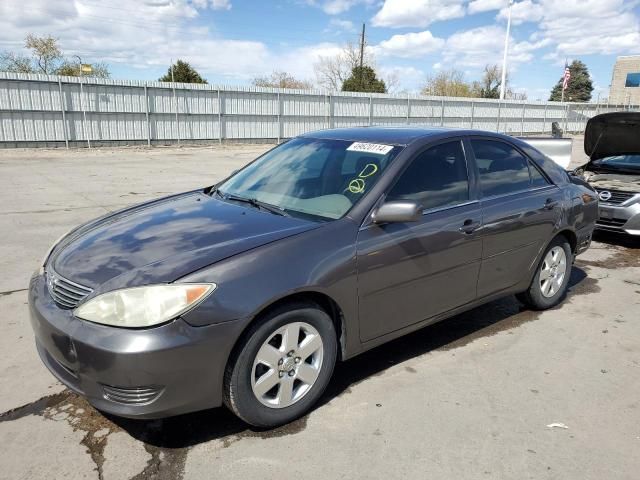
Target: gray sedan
248, 292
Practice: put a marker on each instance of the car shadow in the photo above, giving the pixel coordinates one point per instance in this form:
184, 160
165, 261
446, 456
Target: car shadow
188, 430
618, 239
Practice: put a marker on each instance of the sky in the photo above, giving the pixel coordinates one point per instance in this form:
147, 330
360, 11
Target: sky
233, 41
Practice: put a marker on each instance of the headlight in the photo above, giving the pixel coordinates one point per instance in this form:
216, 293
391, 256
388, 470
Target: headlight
143, 306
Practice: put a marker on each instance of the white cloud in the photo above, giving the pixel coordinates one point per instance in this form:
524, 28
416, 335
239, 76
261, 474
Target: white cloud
143, 35
481, 46
338, 24
407, 78
336, 7
525, 11
477, 6
408, 45
417, 13
583, 27
221, 4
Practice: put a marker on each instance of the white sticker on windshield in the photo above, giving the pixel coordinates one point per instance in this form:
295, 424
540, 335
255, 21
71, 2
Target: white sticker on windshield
370, 148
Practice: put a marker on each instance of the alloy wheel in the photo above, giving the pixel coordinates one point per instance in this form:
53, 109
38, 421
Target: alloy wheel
287, 365
553, 271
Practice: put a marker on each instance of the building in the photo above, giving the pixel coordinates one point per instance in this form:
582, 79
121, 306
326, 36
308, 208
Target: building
625, 83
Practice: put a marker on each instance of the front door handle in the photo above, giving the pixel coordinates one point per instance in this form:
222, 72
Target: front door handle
470, 226
550, 204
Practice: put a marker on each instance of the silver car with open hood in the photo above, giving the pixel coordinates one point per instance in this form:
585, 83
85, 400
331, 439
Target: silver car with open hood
612, 141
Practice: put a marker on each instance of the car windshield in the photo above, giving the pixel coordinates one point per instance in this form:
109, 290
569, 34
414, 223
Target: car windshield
620, 161
311, 178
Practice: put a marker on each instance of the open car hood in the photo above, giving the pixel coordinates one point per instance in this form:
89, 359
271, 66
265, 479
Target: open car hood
611, 134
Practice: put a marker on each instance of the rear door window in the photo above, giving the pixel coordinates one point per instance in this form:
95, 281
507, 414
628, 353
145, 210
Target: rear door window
502, 168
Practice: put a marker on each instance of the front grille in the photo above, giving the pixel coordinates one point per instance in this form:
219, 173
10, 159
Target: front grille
611, 222
65, 293
131, 395
617, 196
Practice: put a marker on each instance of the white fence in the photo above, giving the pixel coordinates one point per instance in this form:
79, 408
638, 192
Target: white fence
42, 110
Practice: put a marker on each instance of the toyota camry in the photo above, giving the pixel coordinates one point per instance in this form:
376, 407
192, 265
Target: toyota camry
246, 293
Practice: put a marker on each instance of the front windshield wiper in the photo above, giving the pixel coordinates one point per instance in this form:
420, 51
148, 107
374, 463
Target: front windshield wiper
255, 203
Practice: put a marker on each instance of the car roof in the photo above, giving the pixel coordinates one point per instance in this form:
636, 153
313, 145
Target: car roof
392, 135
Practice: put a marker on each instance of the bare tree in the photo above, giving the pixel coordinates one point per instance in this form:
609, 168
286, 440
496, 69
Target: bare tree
46, 57
12, 62
279, 79
448, 83
46, 53
489, 85
331, 72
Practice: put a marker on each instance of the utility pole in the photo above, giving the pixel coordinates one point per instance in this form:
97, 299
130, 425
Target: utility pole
362, 58
506, 50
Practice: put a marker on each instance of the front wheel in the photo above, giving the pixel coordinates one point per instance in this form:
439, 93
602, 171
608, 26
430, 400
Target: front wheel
550, 282
283, 366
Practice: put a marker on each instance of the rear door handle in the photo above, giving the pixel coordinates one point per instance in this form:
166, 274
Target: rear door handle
470, 226
550, 204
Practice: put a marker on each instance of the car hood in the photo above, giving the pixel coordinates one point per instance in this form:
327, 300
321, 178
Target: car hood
611, 134
163, 240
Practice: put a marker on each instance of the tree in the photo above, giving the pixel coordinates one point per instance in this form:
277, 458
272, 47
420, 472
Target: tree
332, 71
279, 79
46, 53
46, 57
489, 85
448, 83
580, 85
182, 73
98, 70
12, 62
363, 79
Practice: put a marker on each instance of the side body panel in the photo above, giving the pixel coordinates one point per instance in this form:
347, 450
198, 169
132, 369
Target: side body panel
516, 228
411, 271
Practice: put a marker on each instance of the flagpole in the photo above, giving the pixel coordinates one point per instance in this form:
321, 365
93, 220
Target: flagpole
506, 50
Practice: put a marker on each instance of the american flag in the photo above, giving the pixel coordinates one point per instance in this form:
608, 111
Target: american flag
566, 77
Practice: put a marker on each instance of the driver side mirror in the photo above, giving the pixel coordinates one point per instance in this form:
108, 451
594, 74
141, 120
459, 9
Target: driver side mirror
398, 212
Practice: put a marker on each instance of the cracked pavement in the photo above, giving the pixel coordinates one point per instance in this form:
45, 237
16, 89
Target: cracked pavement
469, 397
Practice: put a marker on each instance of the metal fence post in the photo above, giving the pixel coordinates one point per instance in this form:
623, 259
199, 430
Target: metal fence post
566, 117
442, 112
64, 116
499, 118
146, 111
175, 102
544, 119
279, 118
219, 118
370, 110
524, 105
408, 109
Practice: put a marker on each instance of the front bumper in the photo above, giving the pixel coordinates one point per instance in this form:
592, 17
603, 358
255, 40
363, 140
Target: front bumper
139, 373
623, 218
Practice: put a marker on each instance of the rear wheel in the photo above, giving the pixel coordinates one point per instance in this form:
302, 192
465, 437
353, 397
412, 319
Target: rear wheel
550, 282
283, 366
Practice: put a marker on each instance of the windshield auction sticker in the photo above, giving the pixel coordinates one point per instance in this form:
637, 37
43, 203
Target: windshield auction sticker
370, 148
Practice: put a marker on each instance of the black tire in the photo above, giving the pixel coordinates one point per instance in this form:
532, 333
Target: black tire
238, 393
534, 297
